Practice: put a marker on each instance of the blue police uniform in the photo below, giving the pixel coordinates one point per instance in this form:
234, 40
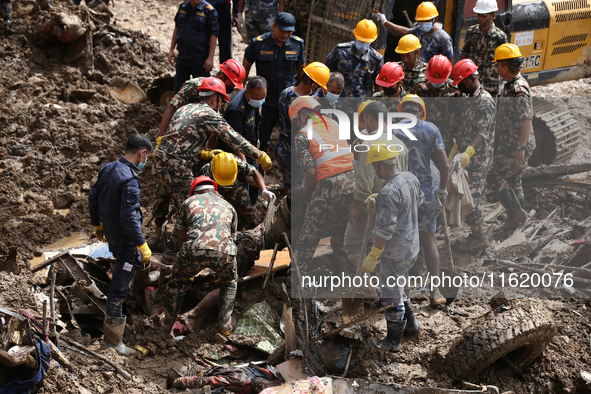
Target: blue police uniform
279, 66
195, 26
114, 201
436, 43
358, 69
245, 120
225, 12
428, 141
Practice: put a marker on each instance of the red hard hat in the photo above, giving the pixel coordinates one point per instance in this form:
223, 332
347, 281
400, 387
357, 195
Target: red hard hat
438, 69
390, 74
235, 71
215, 85
462, 69
203, 179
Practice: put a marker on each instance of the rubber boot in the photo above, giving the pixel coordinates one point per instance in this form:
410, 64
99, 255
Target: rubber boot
475, 241
412, 325
393, 339
515, 215
226, 307
172, 306
155, 243
7, 9
113, 328
141, 279
435, 298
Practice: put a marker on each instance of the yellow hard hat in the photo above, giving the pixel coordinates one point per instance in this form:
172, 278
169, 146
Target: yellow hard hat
318, 72
360, 111
224, 168
366, 31
408, 43
426, 11
300, 103
507, 51
414, 99
382, 150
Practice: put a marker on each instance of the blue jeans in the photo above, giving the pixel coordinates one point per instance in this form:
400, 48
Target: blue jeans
128, 260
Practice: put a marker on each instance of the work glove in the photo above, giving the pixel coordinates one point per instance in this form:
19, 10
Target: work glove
146, 252
265, 161
440, 193
371, 199
267, 195
372, 260
158, 141
240, 20
466, 156
100, 234
208, 154
381, 18
452, 153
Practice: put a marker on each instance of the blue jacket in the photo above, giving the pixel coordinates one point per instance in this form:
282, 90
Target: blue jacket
114, 201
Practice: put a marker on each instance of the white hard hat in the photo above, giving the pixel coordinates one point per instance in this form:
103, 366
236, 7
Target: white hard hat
485, 6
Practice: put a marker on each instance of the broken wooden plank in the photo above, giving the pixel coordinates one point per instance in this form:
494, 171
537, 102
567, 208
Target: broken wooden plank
542, 224
48, 262
555, 170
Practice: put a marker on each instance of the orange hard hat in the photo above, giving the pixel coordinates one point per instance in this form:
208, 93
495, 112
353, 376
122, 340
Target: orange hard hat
234, 71
215, 85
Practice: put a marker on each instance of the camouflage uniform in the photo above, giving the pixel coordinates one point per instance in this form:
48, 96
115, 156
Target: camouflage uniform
481, 49
259, 16
515, 106
444, 113
478, 117
397, 222
327, 210
300, 9
391, 102
283, 145
436, 43
210, 223
359, 70
415, 76
190, 130
237, 195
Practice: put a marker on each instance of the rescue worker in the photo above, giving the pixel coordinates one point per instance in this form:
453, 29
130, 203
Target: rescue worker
358, 61
224, 170
366, 182
191, 128
315, 76
279, 57
390, 79
516, 137
226, 11
206, 227
243, 114
480, 44
259, 15
414, 68
329, 97
444, 112
232, 74
474, 145
434, 40
196, 31
397, 240
428, 143
114, 205
328, 181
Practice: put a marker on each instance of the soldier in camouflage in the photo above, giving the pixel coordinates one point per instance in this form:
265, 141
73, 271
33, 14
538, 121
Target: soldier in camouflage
207, 228
259, 15
516, 138
390, 79
414, 68
474, 141
480, 44
397, 239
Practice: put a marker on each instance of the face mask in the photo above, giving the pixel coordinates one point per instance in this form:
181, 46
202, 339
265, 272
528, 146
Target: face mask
437, 85
142, 163
376, 172
331, 97
391, 91
256, 103
362, 46
426, 27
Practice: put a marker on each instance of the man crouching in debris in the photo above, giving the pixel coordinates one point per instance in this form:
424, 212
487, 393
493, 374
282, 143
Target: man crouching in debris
207, 226
114, 204
397, 239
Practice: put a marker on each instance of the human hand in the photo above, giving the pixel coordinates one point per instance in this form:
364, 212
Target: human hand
519, 156
208, 65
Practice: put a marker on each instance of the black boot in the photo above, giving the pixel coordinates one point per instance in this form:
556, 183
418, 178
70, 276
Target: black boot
393, 338
412, 325
515, 214
226, 307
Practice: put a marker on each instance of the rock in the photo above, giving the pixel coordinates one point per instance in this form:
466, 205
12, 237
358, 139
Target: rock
18, 149
219, 338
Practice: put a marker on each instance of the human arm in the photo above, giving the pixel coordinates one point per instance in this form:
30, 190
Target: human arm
249, 57
526, 129
208, 65
301, 147
218, 126
353, 211
166, 118
396, 29
310, 180
281, 7
128, 211
182, 237
171, 55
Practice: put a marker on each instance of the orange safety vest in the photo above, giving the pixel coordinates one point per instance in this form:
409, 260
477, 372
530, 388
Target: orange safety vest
323, 146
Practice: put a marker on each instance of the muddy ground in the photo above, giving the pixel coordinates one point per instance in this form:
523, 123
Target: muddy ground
55, 138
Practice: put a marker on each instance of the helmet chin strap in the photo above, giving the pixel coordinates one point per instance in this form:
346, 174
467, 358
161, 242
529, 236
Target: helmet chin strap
488, 20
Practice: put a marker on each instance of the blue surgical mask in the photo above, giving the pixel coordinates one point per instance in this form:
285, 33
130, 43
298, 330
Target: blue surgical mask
142, 163
362, 46
437, 85
256, 103
426, 27
331, 97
